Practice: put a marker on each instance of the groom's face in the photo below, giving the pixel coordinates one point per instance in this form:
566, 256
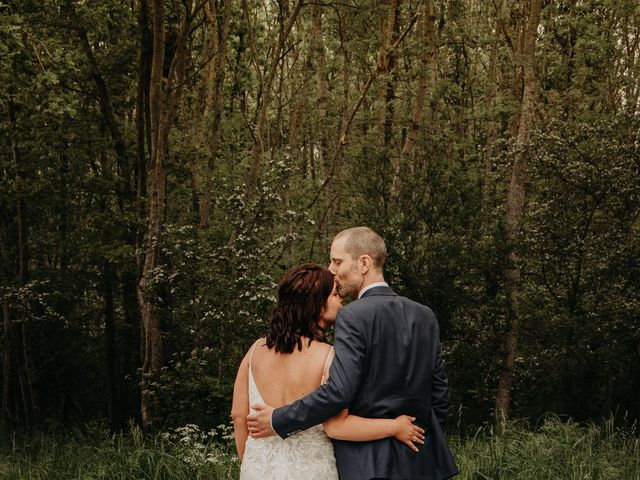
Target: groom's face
348, 277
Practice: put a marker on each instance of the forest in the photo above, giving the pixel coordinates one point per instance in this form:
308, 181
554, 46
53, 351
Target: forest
163, 162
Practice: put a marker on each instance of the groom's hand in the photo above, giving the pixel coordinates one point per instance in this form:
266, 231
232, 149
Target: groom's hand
259, 423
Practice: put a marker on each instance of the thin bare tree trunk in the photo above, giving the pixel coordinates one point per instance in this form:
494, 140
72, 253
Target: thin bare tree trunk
104, 98
515, 205
631, 41
296, 151
6, 364
151, 335
426, 79
163, 102
218, 18
110, 347
570, 55
143, 130
490, 96
21, 340
322, 93
130, 356
322, 88
29, 377
253, 176
21, 204
387, 60
151, 340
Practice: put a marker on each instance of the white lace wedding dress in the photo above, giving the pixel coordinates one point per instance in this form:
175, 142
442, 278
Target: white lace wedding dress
307, 455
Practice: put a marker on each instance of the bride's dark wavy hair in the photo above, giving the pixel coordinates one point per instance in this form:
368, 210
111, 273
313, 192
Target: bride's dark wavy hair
302, 293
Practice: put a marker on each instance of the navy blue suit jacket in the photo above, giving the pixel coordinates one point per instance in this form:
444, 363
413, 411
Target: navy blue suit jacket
388, 363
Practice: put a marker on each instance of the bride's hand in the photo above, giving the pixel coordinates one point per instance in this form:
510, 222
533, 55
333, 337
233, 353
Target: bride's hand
408, 433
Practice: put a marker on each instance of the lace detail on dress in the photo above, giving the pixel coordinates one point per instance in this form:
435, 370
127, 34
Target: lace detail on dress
303, 456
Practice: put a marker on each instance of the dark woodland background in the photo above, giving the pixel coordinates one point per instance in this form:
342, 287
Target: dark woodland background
162, 162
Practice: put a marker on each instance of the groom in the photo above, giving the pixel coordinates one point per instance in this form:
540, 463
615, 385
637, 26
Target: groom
388, 363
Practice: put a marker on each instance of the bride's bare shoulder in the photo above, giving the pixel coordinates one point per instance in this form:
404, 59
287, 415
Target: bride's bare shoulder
257, 344
320, 348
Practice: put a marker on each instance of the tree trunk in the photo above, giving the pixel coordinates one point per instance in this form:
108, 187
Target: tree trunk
218, 19
21, 203
490, 97
103, 93
20, 338
29, 374
143, 130
110, 348
253, 176
163, 103
6, 364
515, 205
387, 60
570, 57
321, 124
151, 340
130, 404
631, 41
322, 88
426, 79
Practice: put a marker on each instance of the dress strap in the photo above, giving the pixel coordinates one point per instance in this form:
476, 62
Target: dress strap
255, 344
327, 364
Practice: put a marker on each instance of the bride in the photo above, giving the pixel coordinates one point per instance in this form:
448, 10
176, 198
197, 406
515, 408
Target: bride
290, 362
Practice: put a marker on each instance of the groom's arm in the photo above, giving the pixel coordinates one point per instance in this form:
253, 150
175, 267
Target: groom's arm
344, 379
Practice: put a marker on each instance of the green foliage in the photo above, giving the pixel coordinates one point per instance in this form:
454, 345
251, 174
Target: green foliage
555, 449
582, 247
217, 299
99, 455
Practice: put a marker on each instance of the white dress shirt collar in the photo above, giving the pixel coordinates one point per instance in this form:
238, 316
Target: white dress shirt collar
372, 285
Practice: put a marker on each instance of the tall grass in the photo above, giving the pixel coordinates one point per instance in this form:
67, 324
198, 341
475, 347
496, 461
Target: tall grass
89, 456
555, 450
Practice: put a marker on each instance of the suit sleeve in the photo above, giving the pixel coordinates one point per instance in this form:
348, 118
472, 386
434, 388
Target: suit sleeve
344, 380
439, 388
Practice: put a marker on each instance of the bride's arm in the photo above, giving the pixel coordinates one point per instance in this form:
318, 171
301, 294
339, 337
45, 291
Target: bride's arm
358, 429
240, 406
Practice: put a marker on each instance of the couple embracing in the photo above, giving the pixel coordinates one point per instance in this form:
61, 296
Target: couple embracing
380, 393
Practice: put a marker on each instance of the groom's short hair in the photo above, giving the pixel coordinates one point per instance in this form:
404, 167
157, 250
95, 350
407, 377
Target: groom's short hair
364, 241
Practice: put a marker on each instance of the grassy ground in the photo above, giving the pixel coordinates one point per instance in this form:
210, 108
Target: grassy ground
555, 450
185, 454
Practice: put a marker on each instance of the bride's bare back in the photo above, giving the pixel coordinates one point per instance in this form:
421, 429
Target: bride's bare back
283, 378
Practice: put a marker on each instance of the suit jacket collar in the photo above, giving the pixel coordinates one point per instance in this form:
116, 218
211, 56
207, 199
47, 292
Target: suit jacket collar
382, 290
